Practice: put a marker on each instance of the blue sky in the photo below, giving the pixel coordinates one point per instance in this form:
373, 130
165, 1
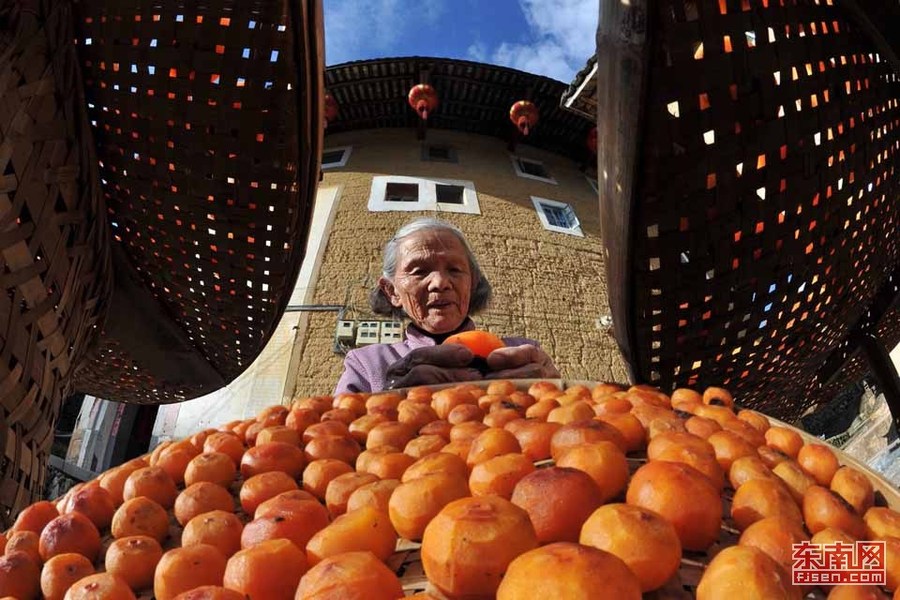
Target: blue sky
548, 37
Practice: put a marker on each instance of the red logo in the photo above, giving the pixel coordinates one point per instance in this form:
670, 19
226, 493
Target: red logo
860, 563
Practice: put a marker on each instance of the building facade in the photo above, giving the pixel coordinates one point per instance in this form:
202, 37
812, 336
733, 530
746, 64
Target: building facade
530, 216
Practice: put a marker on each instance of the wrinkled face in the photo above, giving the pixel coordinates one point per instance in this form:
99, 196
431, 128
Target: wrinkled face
433, 282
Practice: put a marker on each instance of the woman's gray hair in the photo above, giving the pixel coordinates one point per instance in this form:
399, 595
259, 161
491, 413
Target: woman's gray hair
381, 305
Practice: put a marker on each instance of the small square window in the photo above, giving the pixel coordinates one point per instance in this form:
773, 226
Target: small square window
439, 153
557, 216
531, 169
535, 169
333, 158
407, 194
560, 217
449, 194
401, 192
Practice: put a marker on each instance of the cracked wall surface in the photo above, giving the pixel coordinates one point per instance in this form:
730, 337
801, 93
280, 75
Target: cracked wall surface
548, 286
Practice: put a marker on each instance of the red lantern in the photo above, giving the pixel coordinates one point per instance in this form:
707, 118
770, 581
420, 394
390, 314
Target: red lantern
423, 99
524, 115
331, 109
591, 141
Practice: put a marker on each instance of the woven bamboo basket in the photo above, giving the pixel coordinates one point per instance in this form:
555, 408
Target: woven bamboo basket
159, 171
749, 193
54, 239
208, 129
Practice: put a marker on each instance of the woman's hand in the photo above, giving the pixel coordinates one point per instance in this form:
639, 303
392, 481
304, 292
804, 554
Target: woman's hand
520, 362
432, 365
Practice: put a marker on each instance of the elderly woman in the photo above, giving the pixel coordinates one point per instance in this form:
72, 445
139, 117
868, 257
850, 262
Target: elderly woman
431, 277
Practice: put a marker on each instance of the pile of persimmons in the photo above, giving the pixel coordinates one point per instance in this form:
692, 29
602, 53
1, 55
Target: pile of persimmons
587, 492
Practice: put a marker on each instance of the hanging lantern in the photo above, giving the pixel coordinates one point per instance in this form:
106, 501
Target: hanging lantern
524, 115
331, 109
423, 99
591, 141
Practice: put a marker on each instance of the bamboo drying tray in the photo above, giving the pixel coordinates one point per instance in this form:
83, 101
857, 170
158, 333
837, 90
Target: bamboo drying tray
408, 565
406, 561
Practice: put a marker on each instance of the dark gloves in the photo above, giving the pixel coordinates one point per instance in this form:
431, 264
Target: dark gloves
452, 363
432, 365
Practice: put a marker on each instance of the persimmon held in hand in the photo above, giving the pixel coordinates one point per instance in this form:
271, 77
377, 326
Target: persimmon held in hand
481, 343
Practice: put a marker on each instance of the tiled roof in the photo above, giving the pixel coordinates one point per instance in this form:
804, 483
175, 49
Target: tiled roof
581, 96
473, 97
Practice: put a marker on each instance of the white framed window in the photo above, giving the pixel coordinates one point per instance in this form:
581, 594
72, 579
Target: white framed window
557, 216
531, 169
401, 193
333, 158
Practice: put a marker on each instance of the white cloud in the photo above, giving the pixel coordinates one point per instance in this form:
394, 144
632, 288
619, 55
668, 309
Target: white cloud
544, 58
563, 34
477, 51
358, 29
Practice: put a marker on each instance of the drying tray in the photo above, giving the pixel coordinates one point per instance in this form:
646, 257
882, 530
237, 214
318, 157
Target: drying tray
406, 561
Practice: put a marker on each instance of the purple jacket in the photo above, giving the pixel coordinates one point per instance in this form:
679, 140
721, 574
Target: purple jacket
364, 368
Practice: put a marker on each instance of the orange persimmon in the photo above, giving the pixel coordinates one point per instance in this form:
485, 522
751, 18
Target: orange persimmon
481, 343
